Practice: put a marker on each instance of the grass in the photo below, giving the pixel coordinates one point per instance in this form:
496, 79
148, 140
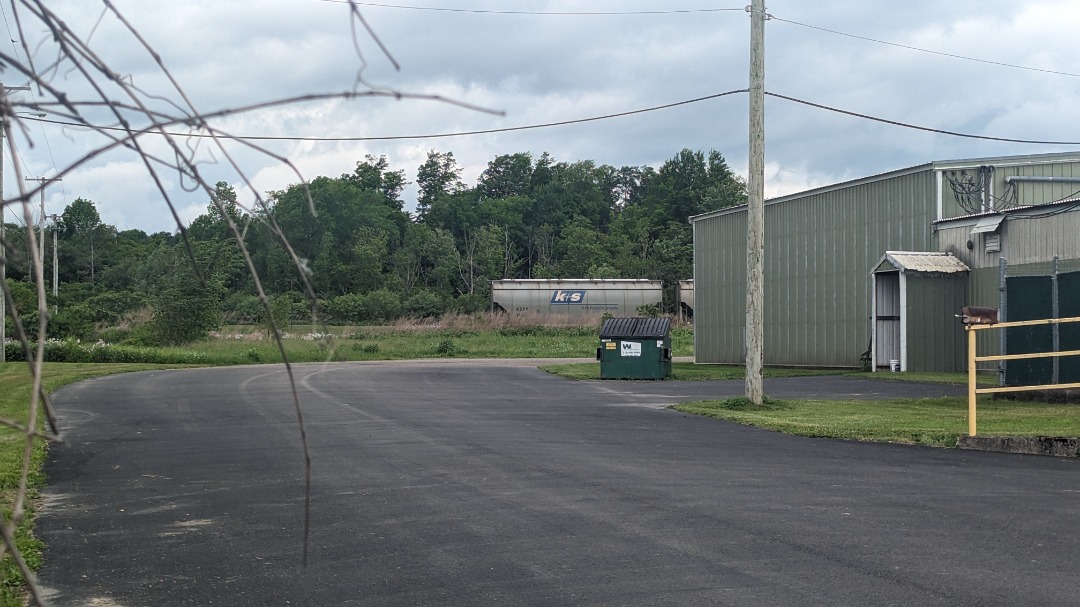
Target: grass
936, 422
245, 345
15, 388
691, 371
683, 371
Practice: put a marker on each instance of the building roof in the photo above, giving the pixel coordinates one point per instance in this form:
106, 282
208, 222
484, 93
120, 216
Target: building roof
923, 262
937, 165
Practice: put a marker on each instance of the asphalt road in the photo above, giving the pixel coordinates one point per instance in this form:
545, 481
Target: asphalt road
481, 484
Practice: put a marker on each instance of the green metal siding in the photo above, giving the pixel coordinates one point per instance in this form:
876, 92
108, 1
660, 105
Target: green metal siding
1023, 240
720, 257
983, 290
820, 249
935, 337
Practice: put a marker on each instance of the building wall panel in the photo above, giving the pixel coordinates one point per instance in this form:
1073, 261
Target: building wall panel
820, 249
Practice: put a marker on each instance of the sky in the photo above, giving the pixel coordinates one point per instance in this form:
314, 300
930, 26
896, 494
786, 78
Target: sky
994, 68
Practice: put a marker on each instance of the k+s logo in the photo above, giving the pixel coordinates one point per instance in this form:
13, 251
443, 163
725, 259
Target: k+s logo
567, 297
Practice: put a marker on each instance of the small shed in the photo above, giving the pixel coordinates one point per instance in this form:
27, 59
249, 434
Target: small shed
635, 348
916, 296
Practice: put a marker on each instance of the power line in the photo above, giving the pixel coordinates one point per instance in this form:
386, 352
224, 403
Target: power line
917, 127
924, 50
427, 136
542, 13
565, 123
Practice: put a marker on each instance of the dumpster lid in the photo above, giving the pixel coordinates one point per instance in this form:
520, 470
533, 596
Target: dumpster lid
656, 328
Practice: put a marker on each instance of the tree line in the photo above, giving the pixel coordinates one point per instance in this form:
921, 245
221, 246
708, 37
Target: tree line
365, 257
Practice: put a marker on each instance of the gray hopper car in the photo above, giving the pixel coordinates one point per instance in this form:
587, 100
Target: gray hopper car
576, 297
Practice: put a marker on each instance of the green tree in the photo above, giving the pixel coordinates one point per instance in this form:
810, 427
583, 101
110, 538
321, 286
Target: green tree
185, 308
373, 175
439, 176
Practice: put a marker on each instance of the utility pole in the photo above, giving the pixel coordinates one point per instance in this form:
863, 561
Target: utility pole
4, 110
55, 283
41, 222
755, 211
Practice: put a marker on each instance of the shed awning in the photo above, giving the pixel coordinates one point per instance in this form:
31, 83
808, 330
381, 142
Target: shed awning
988, 224
922, 262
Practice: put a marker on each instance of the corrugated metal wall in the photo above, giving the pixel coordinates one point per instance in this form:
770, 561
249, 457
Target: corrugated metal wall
1023, 241
983, 290
935, 340
820, 248
720, 257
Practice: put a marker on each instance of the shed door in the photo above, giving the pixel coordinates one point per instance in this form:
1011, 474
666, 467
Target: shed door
887, 321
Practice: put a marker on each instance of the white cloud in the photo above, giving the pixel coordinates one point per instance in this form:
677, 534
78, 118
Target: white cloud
552, 68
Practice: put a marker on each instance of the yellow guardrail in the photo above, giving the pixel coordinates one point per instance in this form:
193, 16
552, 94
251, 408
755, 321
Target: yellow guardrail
973, 391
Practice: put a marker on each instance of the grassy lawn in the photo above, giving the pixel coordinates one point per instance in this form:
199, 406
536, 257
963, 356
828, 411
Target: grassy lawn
245, 345
15, 387
683, 371
927, 421
691, 371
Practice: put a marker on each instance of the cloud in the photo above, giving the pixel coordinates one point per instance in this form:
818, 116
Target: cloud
550, 68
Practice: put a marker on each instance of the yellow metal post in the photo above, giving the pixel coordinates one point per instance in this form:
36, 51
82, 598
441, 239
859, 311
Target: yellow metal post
971, 380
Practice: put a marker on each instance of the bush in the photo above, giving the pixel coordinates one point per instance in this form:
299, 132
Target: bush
348, 308
382, 306
110, 306
470, 304
74, 321
447, 347
424, 304
649, 310
242, 309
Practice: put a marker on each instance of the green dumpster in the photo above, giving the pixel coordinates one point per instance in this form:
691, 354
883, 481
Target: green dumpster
635, 348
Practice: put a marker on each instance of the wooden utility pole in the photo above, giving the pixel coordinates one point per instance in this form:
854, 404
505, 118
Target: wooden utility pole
6, 112
755, 212
41, 222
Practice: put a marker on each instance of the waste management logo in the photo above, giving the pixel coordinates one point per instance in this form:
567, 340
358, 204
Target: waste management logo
567, 297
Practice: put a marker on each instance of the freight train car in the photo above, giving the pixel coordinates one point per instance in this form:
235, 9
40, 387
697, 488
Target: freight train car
576, 297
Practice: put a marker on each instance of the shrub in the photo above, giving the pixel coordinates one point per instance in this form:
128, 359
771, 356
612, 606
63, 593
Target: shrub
649, 310
424, 304
348, 308
447, 347
382, 306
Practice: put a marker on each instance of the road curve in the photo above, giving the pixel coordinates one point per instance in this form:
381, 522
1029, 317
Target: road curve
493, 483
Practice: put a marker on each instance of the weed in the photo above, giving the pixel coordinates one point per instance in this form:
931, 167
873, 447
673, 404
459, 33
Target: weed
447, 347
742, 403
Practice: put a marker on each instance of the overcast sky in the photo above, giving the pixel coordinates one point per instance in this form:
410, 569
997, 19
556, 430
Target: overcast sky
987, 67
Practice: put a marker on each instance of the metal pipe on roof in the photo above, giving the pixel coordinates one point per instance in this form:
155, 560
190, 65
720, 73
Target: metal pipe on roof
1041, 178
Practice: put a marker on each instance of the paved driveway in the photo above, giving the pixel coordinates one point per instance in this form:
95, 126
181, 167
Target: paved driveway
495, 484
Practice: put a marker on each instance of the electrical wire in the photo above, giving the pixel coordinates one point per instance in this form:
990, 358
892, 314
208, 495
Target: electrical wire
917, 127
569, 122
428, 136
544, 13
924, 50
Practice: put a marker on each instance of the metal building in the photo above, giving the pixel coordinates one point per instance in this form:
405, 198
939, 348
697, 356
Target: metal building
825, 250
584, 297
